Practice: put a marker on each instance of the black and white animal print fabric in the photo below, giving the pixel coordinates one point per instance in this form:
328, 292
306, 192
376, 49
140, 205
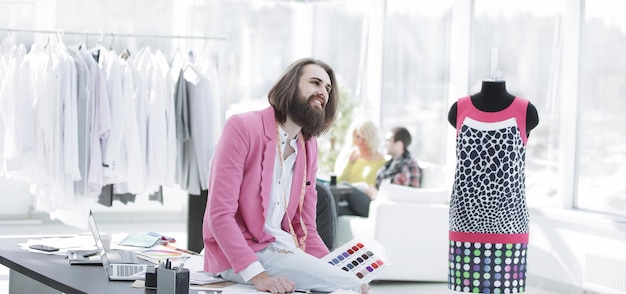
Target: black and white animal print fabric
488, 195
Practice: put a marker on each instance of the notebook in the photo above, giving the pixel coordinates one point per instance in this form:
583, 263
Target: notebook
125, 264
76, 257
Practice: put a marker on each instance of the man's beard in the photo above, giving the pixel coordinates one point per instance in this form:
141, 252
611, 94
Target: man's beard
306, 116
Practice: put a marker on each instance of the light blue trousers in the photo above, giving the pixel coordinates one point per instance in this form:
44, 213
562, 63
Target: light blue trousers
307, 271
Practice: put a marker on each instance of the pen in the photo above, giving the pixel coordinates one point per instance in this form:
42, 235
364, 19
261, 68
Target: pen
180, 267
91, 253
168, 245
186, 251
149, 258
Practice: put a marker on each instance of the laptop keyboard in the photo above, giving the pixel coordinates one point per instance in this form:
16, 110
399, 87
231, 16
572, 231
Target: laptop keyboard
128, 270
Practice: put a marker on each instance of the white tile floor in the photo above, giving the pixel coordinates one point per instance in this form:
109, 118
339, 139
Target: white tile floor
178, 230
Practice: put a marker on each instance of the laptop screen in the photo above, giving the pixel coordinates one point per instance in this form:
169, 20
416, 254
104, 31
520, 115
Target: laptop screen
96, 236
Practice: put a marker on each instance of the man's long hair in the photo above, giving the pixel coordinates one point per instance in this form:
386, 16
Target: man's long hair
285, 91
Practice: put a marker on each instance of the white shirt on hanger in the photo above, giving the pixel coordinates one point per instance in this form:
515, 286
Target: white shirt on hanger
170, 123
66, 134
16, 96
100, 130
112, 144
131, 161
84, 115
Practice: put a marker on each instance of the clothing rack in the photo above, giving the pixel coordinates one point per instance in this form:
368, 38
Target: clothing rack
196, 203
101, 35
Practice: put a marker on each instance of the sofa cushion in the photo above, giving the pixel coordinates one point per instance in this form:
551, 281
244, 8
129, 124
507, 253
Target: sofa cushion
414, 238
433, 189
404, 194
433, 176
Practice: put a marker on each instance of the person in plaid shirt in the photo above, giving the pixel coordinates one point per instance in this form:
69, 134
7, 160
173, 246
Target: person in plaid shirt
401, 169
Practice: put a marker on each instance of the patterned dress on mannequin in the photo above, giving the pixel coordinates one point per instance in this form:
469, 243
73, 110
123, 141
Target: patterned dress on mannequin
488, 213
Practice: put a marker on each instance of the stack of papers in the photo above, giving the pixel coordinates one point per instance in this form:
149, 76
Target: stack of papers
203, 278
64, 244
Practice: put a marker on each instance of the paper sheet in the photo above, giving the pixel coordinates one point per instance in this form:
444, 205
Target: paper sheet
140, 240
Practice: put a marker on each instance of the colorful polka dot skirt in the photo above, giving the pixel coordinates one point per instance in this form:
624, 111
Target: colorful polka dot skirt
487, 267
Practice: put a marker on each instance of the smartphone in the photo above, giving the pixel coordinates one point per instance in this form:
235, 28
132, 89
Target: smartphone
43, 248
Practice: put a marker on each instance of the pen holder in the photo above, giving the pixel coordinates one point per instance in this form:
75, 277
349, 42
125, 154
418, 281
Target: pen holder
172, 281
151, 278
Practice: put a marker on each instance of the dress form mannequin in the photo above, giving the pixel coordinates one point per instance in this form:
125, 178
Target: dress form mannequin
488, 208
493, 97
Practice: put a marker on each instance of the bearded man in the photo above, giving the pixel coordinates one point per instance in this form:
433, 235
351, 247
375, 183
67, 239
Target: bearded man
259, 223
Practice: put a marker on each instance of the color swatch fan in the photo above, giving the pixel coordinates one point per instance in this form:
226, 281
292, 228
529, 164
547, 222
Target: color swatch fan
365, 259
161, 253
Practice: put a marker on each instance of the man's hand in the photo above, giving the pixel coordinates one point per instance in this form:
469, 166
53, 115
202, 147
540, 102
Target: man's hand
365, 289
265, 282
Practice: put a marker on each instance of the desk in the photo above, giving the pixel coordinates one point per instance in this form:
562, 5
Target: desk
40, 273
46, 274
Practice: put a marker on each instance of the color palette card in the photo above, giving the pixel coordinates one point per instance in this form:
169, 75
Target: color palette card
364, 259
157, 255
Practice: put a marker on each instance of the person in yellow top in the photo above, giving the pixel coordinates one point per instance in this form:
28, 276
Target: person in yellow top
360, 159
358, 164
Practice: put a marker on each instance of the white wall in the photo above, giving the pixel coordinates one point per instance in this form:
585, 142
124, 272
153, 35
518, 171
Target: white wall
560, 240
18, 199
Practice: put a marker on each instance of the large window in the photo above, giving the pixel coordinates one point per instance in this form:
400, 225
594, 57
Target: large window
266, 36
408, 48
601, 142
526, 37
415, 73
339, 35
260, 46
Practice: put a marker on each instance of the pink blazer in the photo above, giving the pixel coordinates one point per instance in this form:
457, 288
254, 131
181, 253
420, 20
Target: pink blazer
240, 183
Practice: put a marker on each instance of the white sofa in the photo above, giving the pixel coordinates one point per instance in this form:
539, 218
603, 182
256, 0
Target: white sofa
412, 226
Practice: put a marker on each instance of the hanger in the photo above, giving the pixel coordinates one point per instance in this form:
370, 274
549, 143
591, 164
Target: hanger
8, 43
204, 49
95, 51
10, 37
177, 52
112, 41
60, 36
177, 59
125, 54
86, 44
99, 43
45, 45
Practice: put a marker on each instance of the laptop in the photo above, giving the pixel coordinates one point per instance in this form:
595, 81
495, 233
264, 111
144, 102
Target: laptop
120, 265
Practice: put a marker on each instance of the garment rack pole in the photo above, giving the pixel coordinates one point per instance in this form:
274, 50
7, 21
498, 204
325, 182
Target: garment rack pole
216, 37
